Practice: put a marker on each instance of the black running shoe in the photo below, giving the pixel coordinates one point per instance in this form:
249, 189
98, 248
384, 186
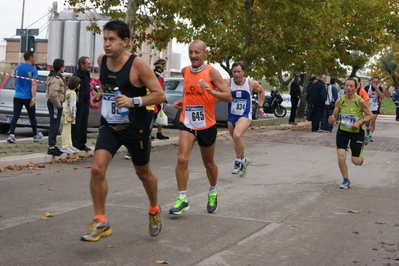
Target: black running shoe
54, 151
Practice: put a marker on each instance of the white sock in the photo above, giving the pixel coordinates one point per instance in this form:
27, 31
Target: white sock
212, 189
183, 194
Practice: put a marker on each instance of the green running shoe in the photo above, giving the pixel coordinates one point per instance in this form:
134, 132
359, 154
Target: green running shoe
180, 206
212, 205
370, 138
244, 167
96, 231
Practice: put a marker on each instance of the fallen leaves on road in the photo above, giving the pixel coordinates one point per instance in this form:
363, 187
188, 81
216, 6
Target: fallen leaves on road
46, 216
161, 262
33, 166
50, 188
354, 211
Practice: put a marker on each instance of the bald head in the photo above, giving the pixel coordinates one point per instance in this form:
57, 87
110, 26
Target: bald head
198, 44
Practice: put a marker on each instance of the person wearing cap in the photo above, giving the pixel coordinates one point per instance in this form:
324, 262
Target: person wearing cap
159, 68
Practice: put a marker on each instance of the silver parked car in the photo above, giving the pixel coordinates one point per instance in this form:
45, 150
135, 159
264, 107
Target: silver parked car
174, 92
7, 90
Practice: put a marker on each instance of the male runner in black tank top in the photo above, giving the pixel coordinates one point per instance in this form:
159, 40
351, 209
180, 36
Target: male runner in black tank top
132, 75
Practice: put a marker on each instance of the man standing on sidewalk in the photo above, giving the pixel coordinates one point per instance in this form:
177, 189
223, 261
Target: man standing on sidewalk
25, 95
79, 129
318, 100
55, 93
295, 92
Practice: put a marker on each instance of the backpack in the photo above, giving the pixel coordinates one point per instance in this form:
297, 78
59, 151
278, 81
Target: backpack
395, 95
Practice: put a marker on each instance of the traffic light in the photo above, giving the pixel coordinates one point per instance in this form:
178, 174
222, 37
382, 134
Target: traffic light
31, 44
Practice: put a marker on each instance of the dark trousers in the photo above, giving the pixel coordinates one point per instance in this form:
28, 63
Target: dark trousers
318, 110
18, 104
79, 129
294, 106
55, 120
328, 110
397, 111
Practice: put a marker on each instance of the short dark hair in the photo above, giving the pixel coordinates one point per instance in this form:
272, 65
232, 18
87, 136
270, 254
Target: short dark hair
57, 64
73, 82
312, 78
332, 81
28, 54
235, 64
119, 27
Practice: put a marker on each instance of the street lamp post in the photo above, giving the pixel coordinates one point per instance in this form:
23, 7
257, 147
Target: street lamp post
20, 39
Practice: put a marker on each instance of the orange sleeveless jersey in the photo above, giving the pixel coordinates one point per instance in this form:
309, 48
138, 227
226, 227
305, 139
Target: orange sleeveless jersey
193, 95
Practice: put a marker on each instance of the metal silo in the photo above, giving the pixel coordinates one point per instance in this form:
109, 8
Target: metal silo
70, 43
85, 40
67, 14
55, 40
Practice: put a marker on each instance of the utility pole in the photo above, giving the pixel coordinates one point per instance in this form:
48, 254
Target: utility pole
20, 39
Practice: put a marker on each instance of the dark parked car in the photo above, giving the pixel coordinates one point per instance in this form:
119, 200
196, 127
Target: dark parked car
174, 92
7, 89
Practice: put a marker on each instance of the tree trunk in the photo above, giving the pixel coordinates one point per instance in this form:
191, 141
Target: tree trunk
130, 20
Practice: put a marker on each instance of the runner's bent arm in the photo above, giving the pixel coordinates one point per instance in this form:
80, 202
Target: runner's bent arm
256, 87
223, 93
332, 118
147, 77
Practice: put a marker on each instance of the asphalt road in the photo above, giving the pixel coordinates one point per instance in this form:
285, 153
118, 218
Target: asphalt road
288, 210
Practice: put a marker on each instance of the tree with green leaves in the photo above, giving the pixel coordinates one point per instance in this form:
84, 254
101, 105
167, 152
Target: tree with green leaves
270, 37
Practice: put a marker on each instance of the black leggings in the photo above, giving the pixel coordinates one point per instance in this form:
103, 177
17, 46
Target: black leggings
18, 104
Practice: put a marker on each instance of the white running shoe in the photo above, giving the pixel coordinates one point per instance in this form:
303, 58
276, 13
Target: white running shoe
37, 137
67, 150
73, 149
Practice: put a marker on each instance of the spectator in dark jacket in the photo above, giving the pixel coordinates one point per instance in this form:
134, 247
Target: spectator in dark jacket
295, 92
312, 81
79, 129
318, 99
332, 96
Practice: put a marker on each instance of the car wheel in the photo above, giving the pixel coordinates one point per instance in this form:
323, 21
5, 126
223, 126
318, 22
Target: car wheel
4, 128
176, 122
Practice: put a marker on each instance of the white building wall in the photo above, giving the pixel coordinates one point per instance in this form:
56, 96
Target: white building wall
3, 47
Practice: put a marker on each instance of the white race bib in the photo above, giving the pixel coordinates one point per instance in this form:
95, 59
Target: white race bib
238, 106
110, 112
374, 101
195, 116
348, 120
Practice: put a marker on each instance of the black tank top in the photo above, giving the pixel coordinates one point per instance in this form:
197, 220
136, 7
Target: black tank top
109, 80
